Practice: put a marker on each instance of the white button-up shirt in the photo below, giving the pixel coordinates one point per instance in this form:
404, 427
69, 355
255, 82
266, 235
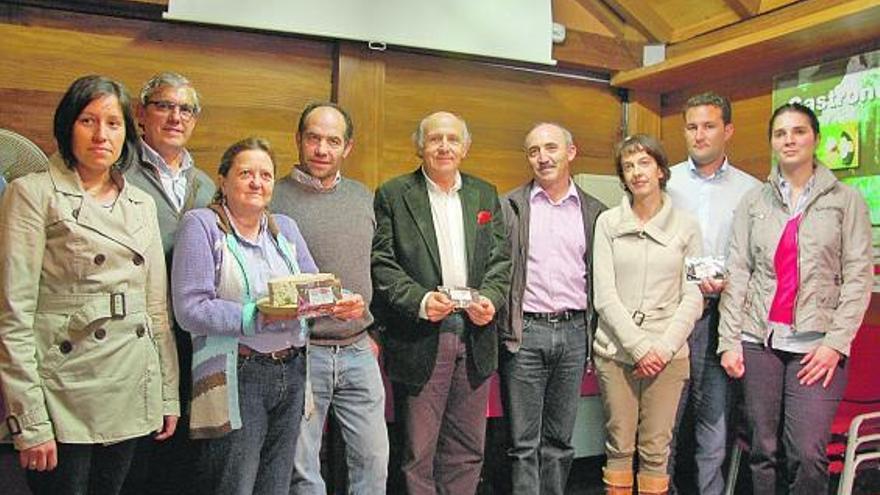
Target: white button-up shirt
711, 199
448, 219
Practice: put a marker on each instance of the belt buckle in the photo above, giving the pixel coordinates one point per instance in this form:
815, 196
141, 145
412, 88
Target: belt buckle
555, 317
638, 318
276, 355
117, 305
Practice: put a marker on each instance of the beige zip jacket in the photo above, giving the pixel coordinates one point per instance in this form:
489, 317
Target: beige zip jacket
641, 269
86, 355
835, 263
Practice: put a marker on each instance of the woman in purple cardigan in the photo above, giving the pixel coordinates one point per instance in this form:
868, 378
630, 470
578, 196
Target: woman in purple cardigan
249, 369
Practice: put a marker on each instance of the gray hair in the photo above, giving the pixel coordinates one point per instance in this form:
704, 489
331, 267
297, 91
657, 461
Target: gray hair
569, 139
172, 80
418, 136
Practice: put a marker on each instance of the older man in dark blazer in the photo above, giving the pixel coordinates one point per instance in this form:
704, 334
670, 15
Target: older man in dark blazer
438, 227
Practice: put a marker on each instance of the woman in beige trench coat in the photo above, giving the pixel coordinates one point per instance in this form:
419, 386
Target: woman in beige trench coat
87, 362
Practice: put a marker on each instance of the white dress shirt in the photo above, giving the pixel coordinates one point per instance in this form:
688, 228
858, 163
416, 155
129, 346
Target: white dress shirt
446, 212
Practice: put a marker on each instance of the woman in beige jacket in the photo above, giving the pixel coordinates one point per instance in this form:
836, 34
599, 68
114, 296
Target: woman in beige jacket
87, 363
646, 312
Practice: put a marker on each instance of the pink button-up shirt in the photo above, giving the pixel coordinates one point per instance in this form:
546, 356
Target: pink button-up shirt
555, 272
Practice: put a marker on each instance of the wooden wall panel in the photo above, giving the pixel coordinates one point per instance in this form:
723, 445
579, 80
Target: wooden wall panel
500, 106
257, 83
250, 83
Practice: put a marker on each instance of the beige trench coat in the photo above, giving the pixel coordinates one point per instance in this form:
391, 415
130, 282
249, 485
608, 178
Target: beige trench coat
86, 354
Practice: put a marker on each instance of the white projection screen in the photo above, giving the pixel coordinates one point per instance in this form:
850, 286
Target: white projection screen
507, 29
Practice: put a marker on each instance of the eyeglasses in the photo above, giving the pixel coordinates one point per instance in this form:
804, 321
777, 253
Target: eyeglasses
187, 111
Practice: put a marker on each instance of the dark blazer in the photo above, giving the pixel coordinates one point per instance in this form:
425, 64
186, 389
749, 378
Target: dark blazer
406, 266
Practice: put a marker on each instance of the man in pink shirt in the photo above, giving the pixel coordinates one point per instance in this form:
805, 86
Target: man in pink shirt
546, 323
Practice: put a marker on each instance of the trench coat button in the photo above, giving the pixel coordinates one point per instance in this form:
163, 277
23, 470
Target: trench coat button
138, 260
100, 334
140, 330
99, 259
75, 213
65, 347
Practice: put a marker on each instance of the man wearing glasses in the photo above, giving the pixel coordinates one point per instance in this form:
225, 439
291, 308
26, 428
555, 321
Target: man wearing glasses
167, 112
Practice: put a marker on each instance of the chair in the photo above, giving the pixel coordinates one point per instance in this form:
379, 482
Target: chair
19, 156
861, 398
855, 455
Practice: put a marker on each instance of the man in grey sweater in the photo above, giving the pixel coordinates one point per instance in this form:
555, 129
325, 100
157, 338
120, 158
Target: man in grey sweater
335, 216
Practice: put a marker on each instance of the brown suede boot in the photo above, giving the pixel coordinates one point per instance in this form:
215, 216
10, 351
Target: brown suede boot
617, 482
653, 484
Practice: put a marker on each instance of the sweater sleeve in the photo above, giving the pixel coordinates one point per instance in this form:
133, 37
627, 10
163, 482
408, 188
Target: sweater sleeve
608, 304
197, 306
691, 304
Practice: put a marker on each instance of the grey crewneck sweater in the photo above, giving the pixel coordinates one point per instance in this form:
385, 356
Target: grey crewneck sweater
338, 227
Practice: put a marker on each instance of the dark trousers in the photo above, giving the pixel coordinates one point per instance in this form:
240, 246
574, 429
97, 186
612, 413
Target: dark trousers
445, 424
704, 406
775, 402
166, 467
85, 469
541, 387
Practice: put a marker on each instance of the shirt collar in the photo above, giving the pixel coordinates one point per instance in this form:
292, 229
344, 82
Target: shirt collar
785, 186
537, 190
433, 186
264, 224
151, 156
725, 166
300, 175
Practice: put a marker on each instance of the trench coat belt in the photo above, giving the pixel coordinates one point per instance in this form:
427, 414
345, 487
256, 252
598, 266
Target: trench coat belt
86, 308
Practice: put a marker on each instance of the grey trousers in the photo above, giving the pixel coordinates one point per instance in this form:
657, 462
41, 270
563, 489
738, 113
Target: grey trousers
776, 402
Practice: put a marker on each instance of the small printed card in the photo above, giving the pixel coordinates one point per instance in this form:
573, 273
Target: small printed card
702, 267
461, 296
317, 298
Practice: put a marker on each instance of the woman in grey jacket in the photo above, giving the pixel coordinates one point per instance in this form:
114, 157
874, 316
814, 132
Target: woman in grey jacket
800, 271
646, 312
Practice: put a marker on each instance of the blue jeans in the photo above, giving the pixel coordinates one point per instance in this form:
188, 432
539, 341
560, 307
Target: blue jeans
258, 458
777, 403
541, 387
85, 469
346, 378
706, 399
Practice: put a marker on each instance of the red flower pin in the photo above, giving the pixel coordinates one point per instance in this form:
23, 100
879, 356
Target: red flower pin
484, 217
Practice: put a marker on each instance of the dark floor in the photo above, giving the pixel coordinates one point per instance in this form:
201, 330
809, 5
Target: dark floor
585, 477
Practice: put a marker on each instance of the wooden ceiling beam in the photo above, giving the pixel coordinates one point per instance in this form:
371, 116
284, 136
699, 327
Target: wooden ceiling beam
774, 42
606, 16
593, 51
642, 15
744, 8
718, 21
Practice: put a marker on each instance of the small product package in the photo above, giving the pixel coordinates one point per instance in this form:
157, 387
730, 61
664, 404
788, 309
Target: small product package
306, 294
461, 296
702, 267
